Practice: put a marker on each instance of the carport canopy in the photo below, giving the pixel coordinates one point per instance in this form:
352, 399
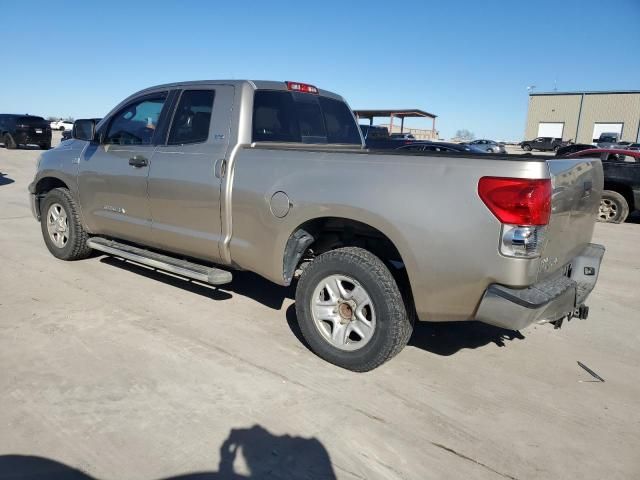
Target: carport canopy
391, 114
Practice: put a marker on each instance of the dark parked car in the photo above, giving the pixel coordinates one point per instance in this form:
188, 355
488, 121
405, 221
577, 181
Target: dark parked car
543, 143
378, 138
439, 147
16, 130
573, 148
621, 193
488, 146
402, 136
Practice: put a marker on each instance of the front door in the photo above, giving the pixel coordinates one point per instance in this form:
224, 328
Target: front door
113, 171
186, 173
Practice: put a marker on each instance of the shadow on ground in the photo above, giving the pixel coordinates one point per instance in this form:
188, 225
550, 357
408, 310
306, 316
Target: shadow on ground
448, 338
246, 284
4, 180
264, 455
443, 339
634, 218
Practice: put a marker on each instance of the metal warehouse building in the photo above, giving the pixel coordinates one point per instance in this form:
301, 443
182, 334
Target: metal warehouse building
583, 116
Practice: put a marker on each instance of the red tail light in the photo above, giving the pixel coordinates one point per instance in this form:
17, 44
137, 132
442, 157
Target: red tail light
517, 201
301, 87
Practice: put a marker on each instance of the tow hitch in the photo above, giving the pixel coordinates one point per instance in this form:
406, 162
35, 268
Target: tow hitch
582, 312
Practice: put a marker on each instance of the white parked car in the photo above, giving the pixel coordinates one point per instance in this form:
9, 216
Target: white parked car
61, 125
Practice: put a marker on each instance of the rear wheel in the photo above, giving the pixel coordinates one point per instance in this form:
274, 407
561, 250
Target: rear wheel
526, 147
62, 230
45, 146
351, 311
8, 142
489, 150
614, 208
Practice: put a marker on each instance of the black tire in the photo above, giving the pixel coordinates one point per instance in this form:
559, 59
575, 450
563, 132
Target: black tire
9, 144
45, 146
526, 147
75, 247
489, 150
393, 326
556, 148
62, 129
614, 208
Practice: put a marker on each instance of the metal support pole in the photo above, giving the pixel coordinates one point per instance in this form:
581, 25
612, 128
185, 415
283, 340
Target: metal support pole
390, 124
401, 124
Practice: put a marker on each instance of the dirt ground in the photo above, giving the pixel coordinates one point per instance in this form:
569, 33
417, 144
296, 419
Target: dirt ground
109, 370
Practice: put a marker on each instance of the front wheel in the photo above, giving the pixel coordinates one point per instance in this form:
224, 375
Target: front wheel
614, 208
62, 230
351, 311
526, 147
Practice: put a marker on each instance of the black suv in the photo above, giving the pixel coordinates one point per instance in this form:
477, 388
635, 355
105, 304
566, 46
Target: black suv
18, 130
543, 143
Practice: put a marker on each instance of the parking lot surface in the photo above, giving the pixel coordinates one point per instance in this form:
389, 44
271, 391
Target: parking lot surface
122, 372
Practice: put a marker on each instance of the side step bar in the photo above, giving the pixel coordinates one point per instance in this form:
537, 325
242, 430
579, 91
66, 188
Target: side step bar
213, 276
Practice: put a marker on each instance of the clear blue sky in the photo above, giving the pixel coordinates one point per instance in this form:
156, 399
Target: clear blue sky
467, 61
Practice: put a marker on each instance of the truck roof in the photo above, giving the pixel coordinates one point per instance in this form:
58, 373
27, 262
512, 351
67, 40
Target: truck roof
255, 84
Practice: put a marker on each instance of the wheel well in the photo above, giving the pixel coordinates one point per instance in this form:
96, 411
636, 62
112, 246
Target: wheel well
321, 235
44, 186
49, 183
623, 190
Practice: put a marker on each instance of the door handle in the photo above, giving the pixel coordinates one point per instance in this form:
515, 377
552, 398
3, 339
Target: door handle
220, 167
138, 161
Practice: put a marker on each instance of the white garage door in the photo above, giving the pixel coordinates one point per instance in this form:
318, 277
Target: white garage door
549, 129
599, 128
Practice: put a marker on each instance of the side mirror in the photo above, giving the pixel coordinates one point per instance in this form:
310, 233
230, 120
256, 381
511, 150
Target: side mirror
84, 129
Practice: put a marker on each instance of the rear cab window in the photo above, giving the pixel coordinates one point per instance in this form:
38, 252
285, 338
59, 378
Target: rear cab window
285, 116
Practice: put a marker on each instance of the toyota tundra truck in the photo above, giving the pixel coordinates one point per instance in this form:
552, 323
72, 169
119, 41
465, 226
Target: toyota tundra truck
203, 178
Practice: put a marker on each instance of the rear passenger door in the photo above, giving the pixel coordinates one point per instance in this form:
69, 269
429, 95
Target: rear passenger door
187, 170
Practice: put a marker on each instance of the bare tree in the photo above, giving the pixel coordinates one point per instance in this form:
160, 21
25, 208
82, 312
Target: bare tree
465, 135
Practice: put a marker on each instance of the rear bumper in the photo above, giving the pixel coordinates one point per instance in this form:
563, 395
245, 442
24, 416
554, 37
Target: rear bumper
549, 300
24, 138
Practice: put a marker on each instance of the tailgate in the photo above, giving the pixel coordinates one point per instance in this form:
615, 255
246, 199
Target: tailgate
577, 187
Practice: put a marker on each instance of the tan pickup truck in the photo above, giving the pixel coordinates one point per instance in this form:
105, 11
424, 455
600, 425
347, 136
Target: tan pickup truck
201, 178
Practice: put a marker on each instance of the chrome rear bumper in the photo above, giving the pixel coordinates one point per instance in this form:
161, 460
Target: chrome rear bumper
549, 300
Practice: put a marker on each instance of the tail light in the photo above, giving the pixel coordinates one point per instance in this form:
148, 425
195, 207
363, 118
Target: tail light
519, 201
301, 87
523, 206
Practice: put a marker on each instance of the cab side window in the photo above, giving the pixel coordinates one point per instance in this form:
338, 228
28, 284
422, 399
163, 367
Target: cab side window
192, 118
136, 123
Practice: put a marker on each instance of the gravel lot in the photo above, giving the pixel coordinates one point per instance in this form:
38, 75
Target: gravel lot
122, 372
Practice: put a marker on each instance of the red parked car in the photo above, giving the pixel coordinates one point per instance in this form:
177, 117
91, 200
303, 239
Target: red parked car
621, 193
